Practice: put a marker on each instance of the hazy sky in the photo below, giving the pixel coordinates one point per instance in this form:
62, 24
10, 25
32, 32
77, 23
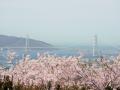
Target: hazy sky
62, 21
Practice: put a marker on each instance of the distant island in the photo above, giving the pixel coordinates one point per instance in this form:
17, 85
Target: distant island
12, 41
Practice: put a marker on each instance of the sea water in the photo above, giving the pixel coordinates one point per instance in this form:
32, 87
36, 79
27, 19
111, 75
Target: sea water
76, 51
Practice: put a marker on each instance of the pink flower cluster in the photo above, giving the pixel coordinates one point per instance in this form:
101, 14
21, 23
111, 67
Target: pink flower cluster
67, 71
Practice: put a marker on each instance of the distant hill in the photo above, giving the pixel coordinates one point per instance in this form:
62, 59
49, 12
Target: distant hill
11, 41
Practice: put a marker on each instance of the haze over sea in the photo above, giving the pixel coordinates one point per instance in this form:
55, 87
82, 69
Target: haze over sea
64, 22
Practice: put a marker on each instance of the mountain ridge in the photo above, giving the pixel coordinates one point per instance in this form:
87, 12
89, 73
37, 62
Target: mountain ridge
13, 41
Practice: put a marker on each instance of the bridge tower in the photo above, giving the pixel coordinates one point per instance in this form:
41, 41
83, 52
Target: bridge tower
95, 46
27, 45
